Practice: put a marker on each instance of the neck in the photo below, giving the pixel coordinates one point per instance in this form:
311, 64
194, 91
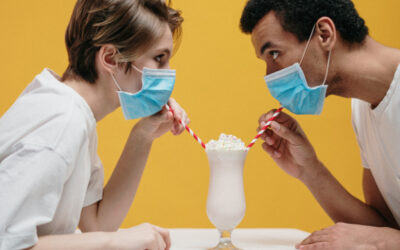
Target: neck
98, 96
365, 73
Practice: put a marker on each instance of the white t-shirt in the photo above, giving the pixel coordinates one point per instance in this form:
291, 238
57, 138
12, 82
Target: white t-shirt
49, 167
378, 135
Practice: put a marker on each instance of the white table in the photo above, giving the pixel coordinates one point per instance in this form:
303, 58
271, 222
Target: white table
246, 239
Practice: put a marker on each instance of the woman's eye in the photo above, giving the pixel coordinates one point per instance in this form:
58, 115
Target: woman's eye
274, 54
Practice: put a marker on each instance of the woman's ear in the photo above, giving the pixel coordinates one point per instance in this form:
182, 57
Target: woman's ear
107, 58
326, 32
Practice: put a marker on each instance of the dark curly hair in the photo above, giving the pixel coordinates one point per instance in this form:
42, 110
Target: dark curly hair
299, 16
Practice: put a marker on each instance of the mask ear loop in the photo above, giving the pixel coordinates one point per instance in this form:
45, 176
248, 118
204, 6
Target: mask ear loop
327, 68
329, 57
133, 66
113, 77
115, 81
308, 44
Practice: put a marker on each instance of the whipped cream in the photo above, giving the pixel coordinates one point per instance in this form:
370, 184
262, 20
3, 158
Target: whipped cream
226, 142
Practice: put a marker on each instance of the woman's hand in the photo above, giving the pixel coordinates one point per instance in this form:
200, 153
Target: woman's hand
156, 125
142, 237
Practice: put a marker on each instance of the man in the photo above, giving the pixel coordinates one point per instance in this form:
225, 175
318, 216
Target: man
308, 42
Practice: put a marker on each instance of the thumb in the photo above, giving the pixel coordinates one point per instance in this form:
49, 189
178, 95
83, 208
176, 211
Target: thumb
285, 133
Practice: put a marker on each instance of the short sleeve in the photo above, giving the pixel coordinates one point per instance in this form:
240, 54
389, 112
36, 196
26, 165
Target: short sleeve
31, 180
95, 189
355, 119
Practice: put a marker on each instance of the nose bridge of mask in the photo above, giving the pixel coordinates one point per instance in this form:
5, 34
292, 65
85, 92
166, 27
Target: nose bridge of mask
148, 73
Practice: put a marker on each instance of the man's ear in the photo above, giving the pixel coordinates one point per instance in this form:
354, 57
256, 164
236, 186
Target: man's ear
106, 58
326, 31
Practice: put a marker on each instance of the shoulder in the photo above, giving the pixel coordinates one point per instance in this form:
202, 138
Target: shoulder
48, 113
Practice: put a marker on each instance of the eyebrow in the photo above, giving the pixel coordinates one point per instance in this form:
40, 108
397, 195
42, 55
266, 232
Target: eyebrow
167, 51
266, 46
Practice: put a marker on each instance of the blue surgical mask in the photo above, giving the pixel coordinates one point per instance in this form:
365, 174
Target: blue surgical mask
289, 86
157, 86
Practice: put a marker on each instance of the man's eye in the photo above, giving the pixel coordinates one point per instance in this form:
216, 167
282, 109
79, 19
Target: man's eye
274, 54
159, 58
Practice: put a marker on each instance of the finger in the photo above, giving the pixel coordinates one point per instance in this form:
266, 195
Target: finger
165, 235
186, 119
265, 117
275, 154
285, 133
178, 111
282, 118
177, 128
160, 242
316, 246
263, 137
267, 133
273, 140
315, 239
181, 128
162, 116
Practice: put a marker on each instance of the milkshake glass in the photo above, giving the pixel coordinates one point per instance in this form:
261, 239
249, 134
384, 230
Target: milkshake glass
226, 203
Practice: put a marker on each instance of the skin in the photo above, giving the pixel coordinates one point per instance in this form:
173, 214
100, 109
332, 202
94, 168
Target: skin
369, 224
99, 222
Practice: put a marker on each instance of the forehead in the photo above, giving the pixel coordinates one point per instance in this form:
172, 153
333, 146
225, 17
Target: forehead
269, 29
166, 40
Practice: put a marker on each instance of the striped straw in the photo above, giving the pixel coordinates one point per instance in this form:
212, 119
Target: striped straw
188, 129
277, 112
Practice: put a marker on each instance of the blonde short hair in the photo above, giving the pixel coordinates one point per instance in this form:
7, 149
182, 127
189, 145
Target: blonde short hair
132, 26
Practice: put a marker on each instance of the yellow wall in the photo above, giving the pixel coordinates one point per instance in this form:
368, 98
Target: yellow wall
220, 84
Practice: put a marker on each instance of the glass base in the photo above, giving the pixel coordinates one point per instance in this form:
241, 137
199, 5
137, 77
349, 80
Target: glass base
225, 242
229, 246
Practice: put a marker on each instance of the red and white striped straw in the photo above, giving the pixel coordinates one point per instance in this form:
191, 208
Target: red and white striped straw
277, 112
188, 129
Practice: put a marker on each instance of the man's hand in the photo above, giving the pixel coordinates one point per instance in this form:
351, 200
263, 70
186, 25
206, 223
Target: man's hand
352, 237
156, 125
288, 145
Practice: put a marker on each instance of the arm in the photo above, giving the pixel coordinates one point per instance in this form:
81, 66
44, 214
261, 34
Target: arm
142, 237
374, 199
288, 145
339, 204
108, 214
118, 194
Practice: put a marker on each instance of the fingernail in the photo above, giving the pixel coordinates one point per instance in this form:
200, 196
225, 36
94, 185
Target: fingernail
263, 124
270, 141
275, 126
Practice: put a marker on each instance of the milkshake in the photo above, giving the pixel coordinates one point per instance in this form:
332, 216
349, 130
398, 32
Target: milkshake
226, 203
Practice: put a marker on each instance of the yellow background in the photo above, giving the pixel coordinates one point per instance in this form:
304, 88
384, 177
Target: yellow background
220, 84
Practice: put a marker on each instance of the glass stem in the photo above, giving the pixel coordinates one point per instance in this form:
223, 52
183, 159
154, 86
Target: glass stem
225, 238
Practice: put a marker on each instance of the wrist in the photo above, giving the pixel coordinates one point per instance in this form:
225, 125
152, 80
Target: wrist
388, 239
111, 240
139, 133
313, 172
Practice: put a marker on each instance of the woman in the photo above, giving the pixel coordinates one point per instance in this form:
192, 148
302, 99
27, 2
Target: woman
51, 178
